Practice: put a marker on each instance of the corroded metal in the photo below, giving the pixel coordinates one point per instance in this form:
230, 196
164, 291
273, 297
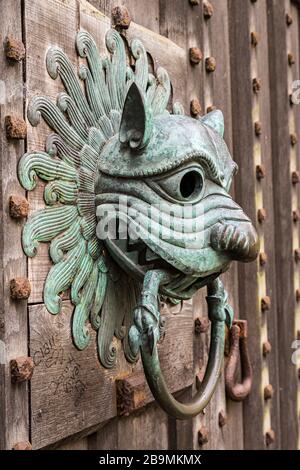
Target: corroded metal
112, 137
238, 354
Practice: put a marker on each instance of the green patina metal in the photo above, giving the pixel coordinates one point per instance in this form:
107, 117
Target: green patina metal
116, 139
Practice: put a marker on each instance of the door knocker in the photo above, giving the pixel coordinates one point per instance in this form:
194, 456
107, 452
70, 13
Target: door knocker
124, 174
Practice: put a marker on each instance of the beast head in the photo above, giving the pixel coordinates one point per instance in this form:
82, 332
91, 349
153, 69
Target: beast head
166, 180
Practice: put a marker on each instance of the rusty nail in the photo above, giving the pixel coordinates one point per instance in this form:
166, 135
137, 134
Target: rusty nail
263, 259
15, 127
210, 64
256, 85
289, 19
270, 437
201, 325
260, 172
265, 303
208, 9
222, 419
203, 436
297, 255
258, 128
296, 177
296, 215
291, 59
297, 295
261, 215
268, 392
18, 207
24, 445
254, 38
121, 17
21, 369
294, 139
194, 2
195, 55
195, 107
211, 108
14, 49
20, 288
267, 348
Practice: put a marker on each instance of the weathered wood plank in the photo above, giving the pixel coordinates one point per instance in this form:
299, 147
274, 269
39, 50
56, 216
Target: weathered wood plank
70, 390
267, 273
243, 141
13, 314
280, 112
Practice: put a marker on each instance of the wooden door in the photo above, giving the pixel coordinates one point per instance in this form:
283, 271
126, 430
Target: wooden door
71, 401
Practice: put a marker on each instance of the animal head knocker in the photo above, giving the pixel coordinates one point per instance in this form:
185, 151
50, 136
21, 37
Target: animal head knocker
152, 187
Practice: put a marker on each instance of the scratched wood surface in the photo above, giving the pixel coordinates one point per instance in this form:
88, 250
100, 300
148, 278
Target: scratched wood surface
72, 400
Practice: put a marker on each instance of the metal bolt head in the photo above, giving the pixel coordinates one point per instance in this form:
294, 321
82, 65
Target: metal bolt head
265, 303
267, 348
263, 259
296, 216
20, 288
288, 19
195, 55
14, 49
254, 38
21, 369
260, 172
211, 108
18, 207
296, 177
208, 9
268, 392
261, 215
222, 418
201, 325
203, 436
24, 445
258, 128
210, 64
291, 59
256, 85
194, 2
195, 107
15, 127
297, 255
270, 437
294, 139
121, 17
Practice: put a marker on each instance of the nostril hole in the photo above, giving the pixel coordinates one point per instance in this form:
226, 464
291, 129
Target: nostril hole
191, 184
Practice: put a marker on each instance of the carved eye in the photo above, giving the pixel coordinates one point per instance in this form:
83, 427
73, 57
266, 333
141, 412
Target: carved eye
185, 185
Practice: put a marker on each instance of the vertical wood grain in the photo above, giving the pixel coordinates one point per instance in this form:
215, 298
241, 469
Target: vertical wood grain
13, 314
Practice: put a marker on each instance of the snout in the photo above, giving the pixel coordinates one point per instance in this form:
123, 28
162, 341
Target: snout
237, 239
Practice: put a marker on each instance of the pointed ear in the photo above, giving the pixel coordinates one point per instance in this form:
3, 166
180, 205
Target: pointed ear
215, 119
136, 123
